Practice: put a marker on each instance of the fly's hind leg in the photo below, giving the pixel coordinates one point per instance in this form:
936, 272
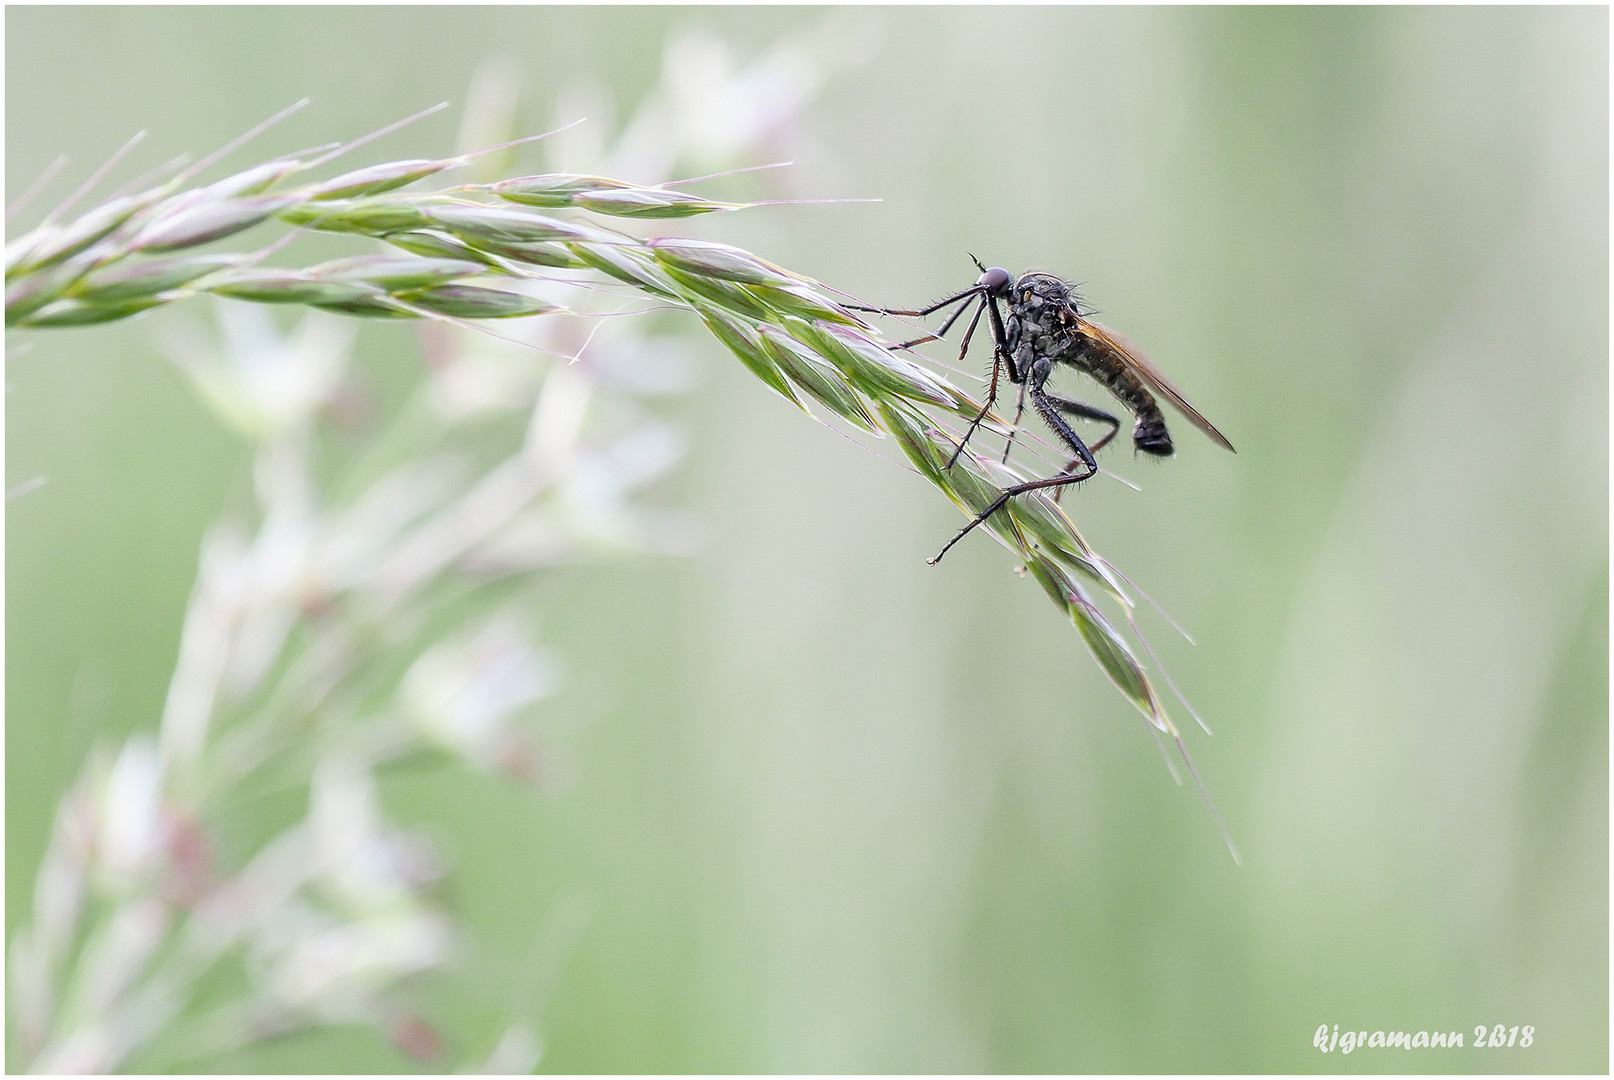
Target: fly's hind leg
1072, 407
1049, 406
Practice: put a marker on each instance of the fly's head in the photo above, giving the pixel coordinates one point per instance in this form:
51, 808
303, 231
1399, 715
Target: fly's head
995, 281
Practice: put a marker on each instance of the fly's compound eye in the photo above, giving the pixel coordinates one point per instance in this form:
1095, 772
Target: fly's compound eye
995, 281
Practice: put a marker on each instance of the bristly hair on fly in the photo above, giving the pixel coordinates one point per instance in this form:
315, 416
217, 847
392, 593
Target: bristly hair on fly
1077, 300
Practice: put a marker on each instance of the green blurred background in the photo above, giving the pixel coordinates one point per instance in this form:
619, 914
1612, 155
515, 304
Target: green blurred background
835, 810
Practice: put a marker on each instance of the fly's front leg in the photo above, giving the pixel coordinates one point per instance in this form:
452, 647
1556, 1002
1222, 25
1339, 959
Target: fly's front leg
1000, 355
946, 326
920, 313
991, 389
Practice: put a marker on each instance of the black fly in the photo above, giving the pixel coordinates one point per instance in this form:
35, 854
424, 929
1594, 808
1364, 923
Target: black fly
1036, 324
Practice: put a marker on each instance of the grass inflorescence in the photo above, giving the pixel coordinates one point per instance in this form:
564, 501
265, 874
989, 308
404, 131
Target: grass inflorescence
466, 254
287, 677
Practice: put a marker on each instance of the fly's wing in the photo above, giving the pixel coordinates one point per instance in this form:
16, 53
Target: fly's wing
1141, 366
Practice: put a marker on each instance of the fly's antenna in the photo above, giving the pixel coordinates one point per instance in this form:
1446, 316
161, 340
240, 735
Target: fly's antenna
976, 261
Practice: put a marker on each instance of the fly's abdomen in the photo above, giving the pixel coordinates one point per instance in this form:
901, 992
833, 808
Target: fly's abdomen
1149, 434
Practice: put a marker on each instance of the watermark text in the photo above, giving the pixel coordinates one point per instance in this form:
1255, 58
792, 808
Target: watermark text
1331, 1040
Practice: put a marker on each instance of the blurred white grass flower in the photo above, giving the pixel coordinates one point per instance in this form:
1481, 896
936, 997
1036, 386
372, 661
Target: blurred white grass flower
485, 377
720, 108
204, 648
345, 554
654, 367
278, 568
711, 109
38, 952
466, 693
334, 969
261, 382
361, 924
129, 838
115, 956
557, 419
518, 1052
641, 455
344, 821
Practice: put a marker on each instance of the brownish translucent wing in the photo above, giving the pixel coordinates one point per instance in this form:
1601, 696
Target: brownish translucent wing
1141, 366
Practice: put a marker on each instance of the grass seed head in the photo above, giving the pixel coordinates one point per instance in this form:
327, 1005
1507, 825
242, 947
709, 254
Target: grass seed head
287, 287
30, 292
796, 341
817, 378
376, 179
86, 230
542, 253
376, 305
747, 347
474, 222
371, 217
709, 259
435, 245
395, 273
253, 181
909, 428
554, 190
648, 203
725, 294
206, 222
477, 302
78, 313
868, 362
634, 267
124, 281
800, 301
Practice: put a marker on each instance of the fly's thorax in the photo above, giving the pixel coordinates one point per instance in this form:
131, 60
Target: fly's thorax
1041, 321
1034, 293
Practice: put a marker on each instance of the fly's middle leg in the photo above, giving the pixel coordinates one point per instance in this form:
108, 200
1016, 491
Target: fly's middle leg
1019, 411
